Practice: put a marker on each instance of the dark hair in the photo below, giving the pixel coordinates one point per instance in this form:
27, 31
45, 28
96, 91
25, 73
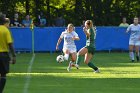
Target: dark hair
2, 19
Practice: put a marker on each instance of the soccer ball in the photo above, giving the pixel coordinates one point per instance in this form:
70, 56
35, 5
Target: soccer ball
60, 59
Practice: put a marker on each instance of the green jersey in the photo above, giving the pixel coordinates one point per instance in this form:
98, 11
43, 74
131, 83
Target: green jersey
90, 41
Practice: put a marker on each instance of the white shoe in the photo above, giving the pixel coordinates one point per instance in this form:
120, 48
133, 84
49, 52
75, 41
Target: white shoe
77, 66
97, 71
69, 67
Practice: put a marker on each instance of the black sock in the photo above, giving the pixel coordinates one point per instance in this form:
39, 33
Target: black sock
90, 64
137, 56
2, 83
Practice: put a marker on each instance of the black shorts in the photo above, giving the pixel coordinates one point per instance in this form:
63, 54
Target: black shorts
4, 62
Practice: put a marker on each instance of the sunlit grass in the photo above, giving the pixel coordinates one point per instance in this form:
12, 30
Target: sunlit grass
118, 75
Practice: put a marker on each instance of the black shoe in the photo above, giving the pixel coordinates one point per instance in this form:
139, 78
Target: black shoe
137, 57
132, 60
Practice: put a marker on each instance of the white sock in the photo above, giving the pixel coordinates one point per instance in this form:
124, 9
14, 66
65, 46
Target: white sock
131, 54
66, 57
72, 63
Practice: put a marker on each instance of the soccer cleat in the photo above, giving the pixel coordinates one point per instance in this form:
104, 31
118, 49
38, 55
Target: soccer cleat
69, 67
77, 66
132, 60
97, 71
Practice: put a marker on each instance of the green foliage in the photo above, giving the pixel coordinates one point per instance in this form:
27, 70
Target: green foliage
103, 12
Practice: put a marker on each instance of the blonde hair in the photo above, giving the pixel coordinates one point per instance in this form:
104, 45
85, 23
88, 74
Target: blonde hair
70, 24
90, 24
7, 20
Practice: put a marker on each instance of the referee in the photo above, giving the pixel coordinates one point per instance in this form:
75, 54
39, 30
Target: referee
6, 45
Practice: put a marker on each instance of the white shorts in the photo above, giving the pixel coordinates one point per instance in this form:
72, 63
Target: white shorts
134, 42
71, 49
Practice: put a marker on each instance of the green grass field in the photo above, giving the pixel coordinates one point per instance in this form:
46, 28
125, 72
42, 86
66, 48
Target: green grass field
45, 75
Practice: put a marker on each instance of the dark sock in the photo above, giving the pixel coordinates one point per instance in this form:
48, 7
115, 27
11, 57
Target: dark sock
90, 64
137, 56
2, 83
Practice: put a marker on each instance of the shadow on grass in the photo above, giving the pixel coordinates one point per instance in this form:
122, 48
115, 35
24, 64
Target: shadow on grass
56, 84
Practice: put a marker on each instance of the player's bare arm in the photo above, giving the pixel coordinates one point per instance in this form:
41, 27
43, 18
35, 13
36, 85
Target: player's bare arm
86, 32
75, 38
59, 41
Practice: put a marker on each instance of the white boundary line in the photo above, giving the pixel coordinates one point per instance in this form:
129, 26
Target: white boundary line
28, 77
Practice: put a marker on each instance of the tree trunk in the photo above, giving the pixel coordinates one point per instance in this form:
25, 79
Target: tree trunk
37, 12
48, 12
79, 11
27, 7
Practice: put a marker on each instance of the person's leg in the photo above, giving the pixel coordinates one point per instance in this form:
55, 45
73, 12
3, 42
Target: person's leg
2, 82
88, 61
80, 53
131, 53
73, 57
4, 69
72, 62
137, 52
66, 54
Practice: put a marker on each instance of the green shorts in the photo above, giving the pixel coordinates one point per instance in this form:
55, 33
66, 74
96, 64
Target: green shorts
91, 50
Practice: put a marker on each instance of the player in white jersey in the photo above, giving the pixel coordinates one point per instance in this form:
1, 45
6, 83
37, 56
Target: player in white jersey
134, 41
69, 47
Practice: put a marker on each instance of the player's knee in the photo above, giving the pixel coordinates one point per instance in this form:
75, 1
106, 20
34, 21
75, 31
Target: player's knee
137, 51
66, 56
73, 59
130, 50
86, 62
78, 54
67, 51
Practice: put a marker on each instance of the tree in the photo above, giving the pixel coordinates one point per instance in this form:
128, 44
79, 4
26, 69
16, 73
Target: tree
27, 7
102, 12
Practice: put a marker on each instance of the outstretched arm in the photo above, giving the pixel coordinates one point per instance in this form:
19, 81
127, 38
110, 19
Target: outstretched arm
128, 29
58, 42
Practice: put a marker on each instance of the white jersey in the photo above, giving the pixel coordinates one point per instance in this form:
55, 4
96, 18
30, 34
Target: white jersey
68, 42
135, 31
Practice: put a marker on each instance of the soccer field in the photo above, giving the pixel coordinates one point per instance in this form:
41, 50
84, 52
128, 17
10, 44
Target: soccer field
40, 73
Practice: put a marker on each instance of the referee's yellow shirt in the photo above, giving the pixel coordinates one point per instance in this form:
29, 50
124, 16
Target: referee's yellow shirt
5, 38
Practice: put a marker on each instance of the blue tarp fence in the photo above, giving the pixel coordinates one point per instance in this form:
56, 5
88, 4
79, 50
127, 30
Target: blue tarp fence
45, 39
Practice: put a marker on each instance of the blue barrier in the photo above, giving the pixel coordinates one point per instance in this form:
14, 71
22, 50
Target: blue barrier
108, 38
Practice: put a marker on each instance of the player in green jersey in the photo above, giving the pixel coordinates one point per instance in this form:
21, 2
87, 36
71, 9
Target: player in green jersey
89, 50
